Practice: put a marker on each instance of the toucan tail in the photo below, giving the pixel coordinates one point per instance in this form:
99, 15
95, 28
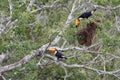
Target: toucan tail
94, 10
64, 57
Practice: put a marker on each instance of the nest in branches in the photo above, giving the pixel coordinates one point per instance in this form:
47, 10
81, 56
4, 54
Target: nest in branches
86, 35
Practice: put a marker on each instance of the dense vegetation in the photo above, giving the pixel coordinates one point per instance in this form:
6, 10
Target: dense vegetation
23, 30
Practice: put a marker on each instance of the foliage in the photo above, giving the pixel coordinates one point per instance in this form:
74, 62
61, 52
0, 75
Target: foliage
29, 33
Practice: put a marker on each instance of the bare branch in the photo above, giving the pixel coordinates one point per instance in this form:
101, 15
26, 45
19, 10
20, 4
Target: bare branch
117, 22
19, 63
9, 23
30, 5
10, 7
3, 77
46, 7
100, 72
71, 13
102, 7
39, 52
4, 56
89, 68
66, 73
42, 54
64, 43
116, 7
24, 60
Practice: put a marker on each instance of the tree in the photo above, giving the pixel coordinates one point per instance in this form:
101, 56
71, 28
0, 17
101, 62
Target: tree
32, 26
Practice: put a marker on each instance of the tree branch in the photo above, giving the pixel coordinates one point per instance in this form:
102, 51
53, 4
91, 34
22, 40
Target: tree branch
45, 7
100, 72
30, 5
8, 24
21, 62
10, 7
71, 13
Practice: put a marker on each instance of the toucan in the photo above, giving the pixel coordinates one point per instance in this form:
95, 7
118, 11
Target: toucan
82, 16
87, 14
57, 53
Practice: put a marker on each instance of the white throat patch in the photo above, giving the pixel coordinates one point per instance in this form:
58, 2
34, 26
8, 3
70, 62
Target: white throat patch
55, 52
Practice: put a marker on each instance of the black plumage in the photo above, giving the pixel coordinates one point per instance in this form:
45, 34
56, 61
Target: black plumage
87, 14
59, 55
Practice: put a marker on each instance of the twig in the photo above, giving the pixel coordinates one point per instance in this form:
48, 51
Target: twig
30, 5
42, 54
9, 23
3, 77
66, 73
10, 7
48, 7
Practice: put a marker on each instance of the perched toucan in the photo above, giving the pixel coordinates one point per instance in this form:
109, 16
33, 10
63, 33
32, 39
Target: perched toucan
87, 14
57, 53
84, 15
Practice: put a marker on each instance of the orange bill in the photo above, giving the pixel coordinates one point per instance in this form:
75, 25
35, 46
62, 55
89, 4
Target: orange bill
51, 50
